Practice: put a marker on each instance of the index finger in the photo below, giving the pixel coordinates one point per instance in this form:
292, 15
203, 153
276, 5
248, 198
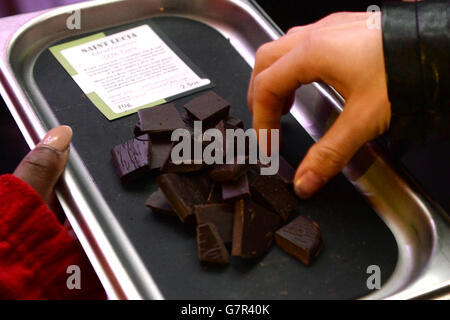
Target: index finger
278, 82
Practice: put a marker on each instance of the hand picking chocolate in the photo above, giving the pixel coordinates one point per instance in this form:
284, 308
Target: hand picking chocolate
228, 202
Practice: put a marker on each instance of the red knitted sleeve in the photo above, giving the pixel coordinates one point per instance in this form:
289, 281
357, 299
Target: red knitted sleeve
36, 250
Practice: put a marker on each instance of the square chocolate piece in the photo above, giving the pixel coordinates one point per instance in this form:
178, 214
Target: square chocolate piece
210, 245
220, 215
208, 107
131, 159
300, 238
162, 119
253, 229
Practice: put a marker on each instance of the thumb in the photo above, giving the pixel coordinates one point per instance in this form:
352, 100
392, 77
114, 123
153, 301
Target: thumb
42, 166
333, 151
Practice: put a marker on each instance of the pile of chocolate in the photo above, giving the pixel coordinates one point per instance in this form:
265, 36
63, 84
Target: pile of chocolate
229, 203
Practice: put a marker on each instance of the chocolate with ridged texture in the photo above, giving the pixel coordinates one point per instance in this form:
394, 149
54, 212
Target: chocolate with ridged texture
300, 238
183, 192
160, 120
285, 171
208, 107
210, 246
253, 229
220, 215
157, 201
131, 159
233, 190
272, 192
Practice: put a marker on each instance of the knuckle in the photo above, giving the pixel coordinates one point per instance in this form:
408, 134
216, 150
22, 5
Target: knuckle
263, 51
329, 157
42, 160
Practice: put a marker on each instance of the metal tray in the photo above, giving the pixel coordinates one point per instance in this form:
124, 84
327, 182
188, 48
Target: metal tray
421, 232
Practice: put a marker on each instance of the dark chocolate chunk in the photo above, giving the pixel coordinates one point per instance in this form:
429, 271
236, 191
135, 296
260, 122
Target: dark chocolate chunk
161, 147
285, 171
162, 119
137, 130
234, 122
208, 107
183, 192
300, 238
215, 193
185, 166
273, 193
233, 190
228, 172
220, 215
210, 245
157, 201
131, 158
253, 229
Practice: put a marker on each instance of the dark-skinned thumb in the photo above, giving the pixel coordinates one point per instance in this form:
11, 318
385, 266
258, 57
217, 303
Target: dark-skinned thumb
42, 166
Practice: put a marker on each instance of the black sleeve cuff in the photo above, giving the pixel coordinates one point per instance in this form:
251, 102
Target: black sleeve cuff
416, 44
401, 57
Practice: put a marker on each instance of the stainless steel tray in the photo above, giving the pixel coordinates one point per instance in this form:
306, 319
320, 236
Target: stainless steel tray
421, 231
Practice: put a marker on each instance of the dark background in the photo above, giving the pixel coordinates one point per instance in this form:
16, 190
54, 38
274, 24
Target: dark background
427, 163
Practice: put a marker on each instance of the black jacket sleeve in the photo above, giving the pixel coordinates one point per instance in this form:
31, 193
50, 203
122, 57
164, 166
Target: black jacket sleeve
416, 44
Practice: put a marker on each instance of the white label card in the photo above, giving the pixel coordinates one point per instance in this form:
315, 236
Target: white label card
127, 71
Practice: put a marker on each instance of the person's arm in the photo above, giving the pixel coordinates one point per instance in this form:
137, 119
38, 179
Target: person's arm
416, 45
343, 51
35, 249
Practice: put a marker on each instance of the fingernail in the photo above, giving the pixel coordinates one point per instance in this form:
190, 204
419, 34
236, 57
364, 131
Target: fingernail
307, 184
58, 138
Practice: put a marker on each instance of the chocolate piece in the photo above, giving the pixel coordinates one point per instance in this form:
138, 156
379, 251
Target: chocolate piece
220, 215
162, 119
170, 166
188, 121
210, 245
300, 238
253, 229
215, 193
232, 190
228, 172
161, 147
234, 122
131, 158
183, 192
208, 107
285, 171
157, 201
137, 130
273, 193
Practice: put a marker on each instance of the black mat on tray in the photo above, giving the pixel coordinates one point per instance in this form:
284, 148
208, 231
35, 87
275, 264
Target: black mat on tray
354, 236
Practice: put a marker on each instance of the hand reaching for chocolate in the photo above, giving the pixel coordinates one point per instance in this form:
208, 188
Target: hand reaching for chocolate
342, 51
